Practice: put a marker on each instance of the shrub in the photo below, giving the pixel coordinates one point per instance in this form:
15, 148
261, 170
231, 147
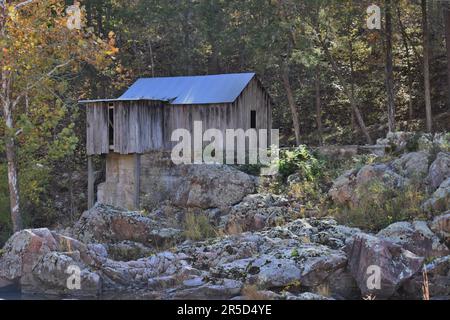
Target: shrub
198, 227
301, 161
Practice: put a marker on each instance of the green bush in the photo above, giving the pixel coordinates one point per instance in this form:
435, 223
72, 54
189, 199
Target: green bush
301, 161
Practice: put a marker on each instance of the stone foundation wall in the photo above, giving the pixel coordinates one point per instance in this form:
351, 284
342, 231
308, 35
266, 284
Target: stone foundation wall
159, 178
201, 186
118, 189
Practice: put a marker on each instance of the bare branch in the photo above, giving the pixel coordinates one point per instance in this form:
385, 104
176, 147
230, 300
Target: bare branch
23, 4
45, 76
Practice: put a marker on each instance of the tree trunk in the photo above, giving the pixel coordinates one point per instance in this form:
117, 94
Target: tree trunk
13, 184
89, 13
447, 41
10, 148
351, 97
426, 66
352, 83
13, 181
408, 65
318, 107
292, 104
389, 68
99, 12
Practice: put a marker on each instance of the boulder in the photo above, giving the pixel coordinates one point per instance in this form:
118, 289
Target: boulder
166, 237
238, 269
381, 172
412, 165
271, 272
40, 261
439, 170
379, 266
342, 286
425, 142
343, 188
128, 251
137, 273
23, 251
400, 141
316, 270
441, 227
255, 213
396, 141
105, 224
442, 142
416, 237
307, 265
51, 277
440, 200
347, 189
329, 233
186, 277
213, 186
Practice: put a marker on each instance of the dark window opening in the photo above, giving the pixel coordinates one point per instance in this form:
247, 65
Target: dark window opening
253, 119
111, 125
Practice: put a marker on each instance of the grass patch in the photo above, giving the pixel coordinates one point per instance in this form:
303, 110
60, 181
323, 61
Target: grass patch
198, 227
380, 206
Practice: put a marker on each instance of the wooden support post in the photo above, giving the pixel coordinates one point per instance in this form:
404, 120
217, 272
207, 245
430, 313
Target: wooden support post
137, 181
90, 183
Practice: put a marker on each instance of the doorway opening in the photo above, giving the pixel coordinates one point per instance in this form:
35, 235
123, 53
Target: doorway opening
111, 125
253, 119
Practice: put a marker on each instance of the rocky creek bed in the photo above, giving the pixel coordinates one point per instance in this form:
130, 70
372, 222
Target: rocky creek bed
305, 256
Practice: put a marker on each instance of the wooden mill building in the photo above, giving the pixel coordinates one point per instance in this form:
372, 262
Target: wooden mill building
143, 118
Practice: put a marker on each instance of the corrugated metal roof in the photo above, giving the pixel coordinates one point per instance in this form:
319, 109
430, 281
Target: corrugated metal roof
223, 88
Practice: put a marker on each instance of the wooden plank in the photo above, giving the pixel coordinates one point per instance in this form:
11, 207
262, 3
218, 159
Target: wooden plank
90, 183
97, 129
137, 181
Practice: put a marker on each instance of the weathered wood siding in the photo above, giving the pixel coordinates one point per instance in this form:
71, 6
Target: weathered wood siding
97, 128
141, 126
221, 116
138, 126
